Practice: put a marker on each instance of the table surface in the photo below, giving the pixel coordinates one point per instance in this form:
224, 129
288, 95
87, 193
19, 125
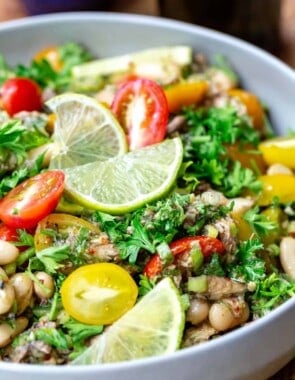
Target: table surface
12, 9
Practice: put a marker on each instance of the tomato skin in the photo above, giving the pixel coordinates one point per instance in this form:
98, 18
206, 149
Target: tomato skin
184, 94
253, 106
279, 150
8, 233
60, 222
29, 202
141, 107
98, 293
208, 245
51, 55
21, 94
277, 185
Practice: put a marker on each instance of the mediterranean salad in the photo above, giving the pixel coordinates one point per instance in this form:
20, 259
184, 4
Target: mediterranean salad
146, 205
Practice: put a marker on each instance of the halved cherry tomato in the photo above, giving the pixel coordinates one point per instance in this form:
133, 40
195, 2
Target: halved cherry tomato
21, 94
141, 108
281, 186
208, 246
8, 233
184, 94
253, 106
64, 224
248, 156
51, 55
279, 150
29, 202
98, 293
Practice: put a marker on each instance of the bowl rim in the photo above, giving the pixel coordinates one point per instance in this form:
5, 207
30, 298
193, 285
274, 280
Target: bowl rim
136, 19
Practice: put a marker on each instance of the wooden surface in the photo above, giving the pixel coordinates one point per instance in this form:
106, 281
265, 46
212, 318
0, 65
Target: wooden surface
12, 9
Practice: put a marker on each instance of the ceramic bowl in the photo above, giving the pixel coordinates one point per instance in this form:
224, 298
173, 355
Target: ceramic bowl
255, 351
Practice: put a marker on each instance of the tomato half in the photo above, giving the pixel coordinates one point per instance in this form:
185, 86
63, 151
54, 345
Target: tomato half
98, 293
141, 107
29, 202
208, 246
21, 94
51, 55
68, 226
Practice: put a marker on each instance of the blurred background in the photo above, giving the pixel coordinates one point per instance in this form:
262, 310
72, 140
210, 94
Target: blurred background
269, 24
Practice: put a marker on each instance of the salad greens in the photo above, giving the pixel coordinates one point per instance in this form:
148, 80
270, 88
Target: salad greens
215, 226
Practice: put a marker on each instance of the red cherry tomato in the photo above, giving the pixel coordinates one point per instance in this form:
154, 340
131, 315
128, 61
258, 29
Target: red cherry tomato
208, 245
141, 108
8, 233
21, 94
29, 202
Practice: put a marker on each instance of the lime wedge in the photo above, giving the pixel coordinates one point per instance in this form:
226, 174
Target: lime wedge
85, 131
154, 326
124, 183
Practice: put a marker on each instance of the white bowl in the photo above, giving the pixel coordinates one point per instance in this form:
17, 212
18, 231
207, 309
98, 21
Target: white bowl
253, 352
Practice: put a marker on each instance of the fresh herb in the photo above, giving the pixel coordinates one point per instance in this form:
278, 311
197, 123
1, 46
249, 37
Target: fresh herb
210, 132
248, 266
79, 332
71, 54
259, 223
53, 257
54, 337
271, 292
214, 267
145, 285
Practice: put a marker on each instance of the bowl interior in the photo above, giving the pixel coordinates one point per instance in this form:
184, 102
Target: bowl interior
107, 34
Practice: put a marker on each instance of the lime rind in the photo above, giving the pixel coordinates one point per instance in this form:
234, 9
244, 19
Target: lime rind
85, 131
153, 327
122, 184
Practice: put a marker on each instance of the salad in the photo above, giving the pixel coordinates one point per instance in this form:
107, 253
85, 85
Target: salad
146, 205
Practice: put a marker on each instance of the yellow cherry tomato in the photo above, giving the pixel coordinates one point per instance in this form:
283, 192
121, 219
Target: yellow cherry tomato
253, 106
63, 224
249, 157
279, 150
277, 185
98, 294
276, 215
51, 54
185, 94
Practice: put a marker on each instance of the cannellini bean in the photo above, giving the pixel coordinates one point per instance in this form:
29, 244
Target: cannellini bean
287, 255
44, 288
23, 288
198, 311
7, 297
228, 313
8, 252
278, 169
8, 332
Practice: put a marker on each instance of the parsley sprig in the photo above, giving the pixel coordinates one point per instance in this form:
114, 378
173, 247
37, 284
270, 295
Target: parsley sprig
210, 131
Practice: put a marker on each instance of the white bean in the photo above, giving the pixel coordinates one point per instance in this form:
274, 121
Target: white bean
224, 316
7, 297
8, 252
287, 255
198, 311
23, 288
8, 332
44, 288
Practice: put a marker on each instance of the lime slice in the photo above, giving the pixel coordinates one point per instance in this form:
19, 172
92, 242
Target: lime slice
85, 131
124, 183
153, 327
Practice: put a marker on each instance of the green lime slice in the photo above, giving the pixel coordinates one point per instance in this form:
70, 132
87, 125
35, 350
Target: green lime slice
154, 326
85, 131
124, 183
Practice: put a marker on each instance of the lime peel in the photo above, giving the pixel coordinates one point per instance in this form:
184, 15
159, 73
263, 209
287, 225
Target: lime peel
154, 326
122, 184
